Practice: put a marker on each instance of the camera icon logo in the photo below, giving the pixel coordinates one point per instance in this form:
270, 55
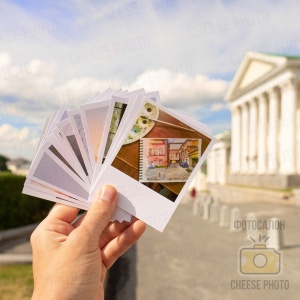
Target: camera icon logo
259, 260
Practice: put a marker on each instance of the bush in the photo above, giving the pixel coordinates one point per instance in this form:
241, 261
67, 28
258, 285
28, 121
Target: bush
17, 209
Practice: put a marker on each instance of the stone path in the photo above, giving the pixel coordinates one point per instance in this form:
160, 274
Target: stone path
197, 259
16, 251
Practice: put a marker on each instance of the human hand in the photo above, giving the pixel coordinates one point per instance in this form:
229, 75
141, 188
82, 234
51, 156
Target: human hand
70, 261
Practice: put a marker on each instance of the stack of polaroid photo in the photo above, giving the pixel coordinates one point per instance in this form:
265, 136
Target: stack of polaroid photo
148, 152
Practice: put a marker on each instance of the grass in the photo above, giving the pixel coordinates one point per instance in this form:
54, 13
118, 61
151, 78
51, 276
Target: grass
16, 282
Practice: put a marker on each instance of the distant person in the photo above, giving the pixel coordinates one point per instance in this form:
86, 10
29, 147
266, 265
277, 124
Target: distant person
70, 259
193, 194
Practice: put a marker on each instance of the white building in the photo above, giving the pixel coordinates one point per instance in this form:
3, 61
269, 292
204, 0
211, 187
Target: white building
265, 132
19, 166
218, 160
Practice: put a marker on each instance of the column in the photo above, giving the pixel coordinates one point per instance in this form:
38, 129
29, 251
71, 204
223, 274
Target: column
287, 153
235, 161
262, 134
245, 137
208, 168
273, 142
253, 119
212, 166
217, 166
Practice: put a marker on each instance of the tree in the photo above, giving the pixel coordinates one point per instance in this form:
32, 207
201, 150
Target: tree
3, 161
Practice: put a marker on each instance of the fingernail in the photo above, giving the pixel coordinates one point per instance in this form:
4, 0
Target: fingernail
107, 193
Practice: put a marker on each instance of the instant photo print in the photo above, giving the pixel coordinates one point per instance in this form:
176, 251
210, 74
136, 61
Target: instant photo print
144, 198
127, 139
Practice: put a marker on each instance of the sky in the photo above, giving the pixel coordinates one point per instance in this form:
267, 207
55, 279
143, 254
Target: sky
60, 53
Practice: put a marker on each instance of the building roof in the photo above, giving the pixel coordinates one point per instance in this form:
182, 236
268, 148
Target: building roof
18, 162
256, 68
282, 55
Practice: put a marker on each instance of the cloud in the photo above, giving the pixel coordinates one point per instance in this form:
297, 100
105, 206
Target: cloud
5, 59
187, 50
218, 106
13, 139
37, 91
180, 90
212, 37
26, 80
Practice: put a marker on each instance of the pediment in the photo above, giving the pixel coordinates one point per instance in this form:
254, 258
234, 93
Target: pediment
254, 68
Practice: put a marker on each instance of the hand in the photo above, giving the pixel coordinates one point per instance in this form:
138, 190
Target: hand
70, 261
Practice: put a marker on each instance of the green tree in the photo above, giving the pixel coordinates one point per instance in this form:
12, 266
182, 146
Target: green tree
3, 160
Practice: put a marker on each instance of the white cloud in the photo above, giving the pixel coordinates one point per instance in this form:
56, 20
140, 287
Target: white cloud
187, 45
37, 90
218, 106
5, 59
211, 36
181, 90
26, 80
14, 141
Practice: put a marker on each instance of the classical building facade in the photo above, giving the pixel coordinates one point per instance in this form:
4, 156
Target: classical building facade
218, 160
265, 132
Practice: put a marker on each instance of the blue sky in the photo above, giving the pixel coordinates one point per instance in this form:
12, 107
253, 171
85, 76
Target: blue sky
56, 53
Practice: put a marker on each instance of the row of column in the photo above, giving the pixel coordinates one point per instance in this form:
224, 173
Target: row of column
264, 132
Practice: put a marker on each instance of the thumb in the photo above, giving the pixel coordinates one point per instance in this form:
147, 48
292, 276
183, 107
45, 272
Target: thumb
100, 212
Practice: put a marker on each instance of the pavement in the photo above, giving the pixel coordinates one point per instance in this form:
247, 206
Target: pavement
197, 259
16, 251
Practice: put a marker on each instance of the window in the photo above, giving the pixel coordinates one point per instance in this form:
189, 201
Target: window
150, 151
160, 151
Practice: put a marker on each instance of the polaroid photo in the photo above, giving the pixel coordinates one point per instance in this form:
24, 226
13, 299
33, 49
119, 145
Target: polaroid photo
55, 195
63, 159
99, 96
167, 159
56, 199
94, 96
67, 151
120, 110
49, 170
154, 96
61, 115
106, 95
113, 117
134, 92
48, 127
63, 154
67, 134
94, 117
118, 116
116, 110
153, 202
78, 129
43, 134
121, 215
115, 114
36, 189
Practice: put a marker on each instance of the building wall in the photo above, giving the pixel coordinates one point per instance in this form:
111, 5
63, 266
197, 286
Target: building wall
174, 155
218, 162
